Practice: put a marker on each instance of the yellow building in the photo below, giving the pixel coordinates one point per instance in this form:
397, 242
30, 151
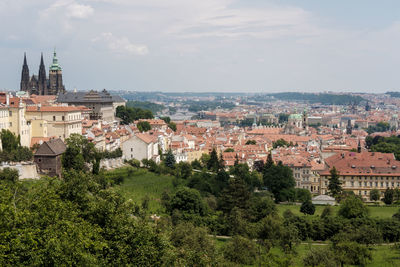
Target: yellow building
17, 122
58, 121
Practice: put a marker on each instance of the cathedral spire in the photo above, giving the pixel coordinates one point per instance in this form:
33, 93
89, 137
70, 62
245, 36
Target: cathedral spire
24, 76
41, 60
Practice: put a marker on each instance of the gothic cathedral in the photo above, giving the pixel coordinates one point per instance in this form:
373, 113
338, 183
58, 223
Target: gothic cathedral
41, 85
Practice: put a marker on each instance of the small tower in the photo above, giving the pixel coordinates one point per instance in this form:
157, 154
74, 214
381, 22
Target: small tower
349, 128
367, 106
305, 119
24, 86
55, 77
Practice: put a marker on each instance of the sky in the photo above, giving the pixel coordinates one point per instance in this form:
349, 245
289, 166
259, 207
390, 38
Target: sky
206, 45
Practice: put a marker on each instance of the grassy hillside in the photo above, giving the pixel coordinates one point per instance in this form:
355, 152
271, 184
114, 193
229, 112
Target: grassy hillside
139, 183
377, 212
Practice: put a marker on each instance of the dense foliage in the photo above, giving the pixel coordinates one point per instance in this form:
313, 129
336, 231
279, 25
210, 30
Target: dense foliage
146, 105
384, 144
129, 114
382, 126
12, 149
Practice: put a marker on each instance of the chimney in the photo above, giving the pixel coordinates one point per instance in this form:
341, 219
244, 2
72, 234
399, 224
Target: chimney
7, 99
39, 106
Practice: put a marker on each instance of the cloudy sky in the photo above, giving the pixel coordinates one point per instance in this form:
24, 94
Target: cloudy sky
206, 45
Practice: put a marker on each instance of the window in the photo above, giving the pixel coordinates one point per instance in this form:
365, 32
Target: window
39, 160
63, 118
10, 113
54, 118
131, 149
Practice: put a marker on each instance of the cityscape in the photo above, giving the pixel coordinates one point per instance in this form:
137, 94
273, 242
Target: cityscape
99, 176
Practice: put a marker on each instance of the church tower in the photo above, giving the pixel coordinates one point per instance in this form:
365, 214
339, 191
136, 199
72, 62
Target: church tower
24, 86
55, 77
42, 79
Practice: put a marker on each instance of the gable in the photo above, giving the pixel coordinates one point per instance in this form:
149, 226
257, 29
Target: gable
44, 149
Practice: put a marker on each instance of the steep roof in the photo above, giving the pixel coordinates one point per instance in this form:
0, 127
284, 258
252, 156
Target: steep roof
52, 147
89, 97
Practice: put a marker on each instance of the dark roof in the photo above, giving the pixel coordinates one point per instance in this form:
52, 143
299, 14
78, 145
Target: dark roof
89, 97
52, 147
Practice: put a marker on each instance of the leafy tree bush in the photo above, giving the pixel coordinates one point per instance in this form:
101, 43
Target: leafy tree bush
240, 250
374, 195
319, 257
351, 253
143, 126
251, 142
353, 207
277, 178
130, 114
8, 174
307, 208
388, 196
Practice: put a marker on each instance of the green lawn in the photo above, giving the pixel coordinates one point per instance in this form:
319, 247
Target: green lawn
139, 183
377, 212
382, 255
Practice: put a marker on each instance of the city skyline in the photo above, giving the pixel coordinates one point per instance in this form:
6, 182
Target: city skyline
203, 46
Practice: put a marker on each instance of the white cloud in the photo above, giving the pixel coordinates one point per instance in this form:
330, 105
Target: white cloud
68, 9
121, 44
76, 10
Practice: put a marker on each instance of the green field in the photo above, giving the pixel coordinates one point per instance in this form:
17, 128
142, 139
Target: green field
139, 183
374, 211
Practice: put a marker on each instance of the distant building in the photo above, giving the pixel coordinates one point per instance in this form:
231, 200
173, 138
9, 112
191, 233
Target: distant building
41, 84
362, 172
141, 146
103, 105
48, 157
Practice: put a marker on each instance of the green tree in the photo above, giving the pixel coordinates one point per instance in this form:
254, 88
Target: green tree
319, 257
388, 196
327, 212
236, 194
353, 207
187, 200
277, 179
351, 253
9, 140
229, 150
183, 170
8, 174
280, 143
240, 250
213, 163
166, 119
79, 153
194, 247
170, 159
374, 194
307, 207
335, 185
172, 126
143, 126
251, 142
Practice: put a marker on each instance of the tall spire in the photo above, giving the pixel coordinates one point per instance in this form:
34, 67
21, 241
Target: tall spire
41, 59
24, 76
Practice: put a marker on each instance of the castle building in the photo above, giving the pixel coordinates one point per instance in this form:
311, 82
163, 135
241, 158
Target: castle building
41, 84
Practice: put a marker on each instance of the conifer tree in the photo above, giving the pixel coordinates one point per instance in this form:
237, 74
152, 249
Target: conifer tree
335, 185
170, 159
